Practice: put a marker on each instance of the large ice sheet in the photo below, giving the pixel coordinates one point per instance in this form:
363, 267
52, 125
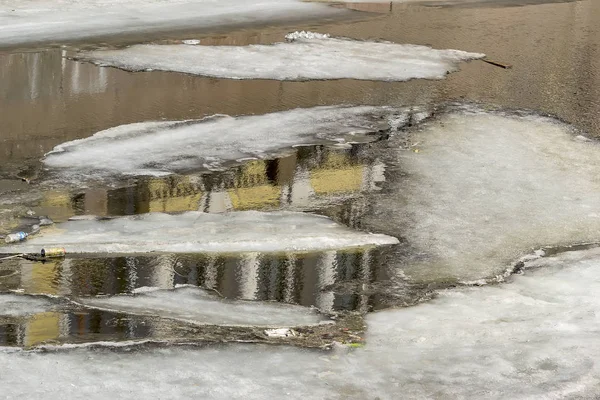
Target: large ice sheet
30, 21
197, 306
474, 191
155, 148
533, 338
12, 305
247, 231
305, 56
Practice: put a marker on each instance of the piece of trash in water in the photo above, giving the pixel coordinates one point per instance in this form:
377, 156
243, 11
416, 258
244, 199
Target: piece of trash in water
53, 252
16, 237
280, 332
190, 41
45, 221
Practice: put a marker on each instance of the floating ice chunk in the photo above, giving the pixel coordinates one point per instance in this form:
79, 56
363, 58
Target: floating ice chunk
484, 190
248, 231
172, 146
197, 306
12, 305
30, 21
305, 56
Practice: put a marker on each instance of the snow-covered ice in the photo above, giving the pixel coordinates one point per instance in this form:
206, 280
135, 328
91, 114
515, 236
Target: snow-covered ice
197, 306
484, 189
532, 338
12, 305
194, 231
158, 148
30, 21
304, 56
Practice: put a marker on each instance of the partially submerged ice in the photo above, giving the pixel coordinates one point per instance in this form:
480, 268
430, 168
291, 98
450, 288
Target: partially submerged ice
14, 305
473, 191
30, 21
532, 338
197, 306
158, 148
195, 232
305, 56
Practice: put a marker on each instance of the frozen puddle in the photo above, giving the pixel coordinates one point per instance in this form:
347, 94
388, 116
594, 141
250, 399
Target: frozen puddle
30, 21
474, 191
158, 148
306, 56
533, 338
195, 232
197, 306
12, 305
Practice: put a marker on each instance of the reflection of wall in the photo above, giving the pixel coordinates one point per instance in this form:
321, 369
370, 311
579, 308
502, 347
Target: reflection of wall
295, 180
303, 278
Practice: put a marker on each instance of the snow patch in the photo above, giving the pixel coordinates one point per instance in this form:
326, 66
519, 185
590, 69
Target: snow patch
190, 232
305, 56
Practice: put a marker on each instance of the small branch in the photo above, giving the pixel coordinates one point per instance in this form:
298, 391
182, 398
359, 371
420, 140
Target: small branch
497, 64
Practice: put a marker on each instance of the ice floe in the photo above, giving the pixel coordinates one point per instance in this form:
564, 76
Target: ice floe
12, 305
305, 56
30, 21
158, 148
197, 306
247, 231
473, 191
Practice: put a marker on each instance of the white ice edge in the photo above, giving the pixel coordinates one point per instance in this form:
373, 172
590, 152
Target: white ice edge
305, 56
198, 232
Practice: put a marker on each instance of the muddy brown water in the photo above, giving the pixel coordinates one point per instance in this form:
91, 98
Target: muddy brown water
47, 98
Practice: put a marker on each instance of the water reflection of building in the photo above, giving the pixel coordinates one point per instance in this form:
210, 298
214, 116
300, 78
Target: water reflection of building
309, 279
56, 278
313, 175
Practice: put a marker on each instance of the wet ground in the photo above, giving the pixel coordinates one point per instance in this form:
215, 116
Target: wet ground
47, 98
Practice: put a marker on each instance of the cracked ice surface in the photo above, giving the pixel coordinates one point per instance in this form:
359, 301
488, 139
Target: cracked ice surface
197, 306
483, 190
158, 148
29, 21
12, 305
194, 231
305, 56
532, 338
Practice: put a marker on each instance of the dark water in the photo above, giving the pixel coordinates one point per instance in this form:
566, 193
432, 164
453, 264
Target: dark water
47, 99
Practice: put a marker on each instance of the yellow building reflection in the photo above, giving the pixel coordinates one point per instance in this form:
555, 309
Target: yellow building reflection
312, 175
